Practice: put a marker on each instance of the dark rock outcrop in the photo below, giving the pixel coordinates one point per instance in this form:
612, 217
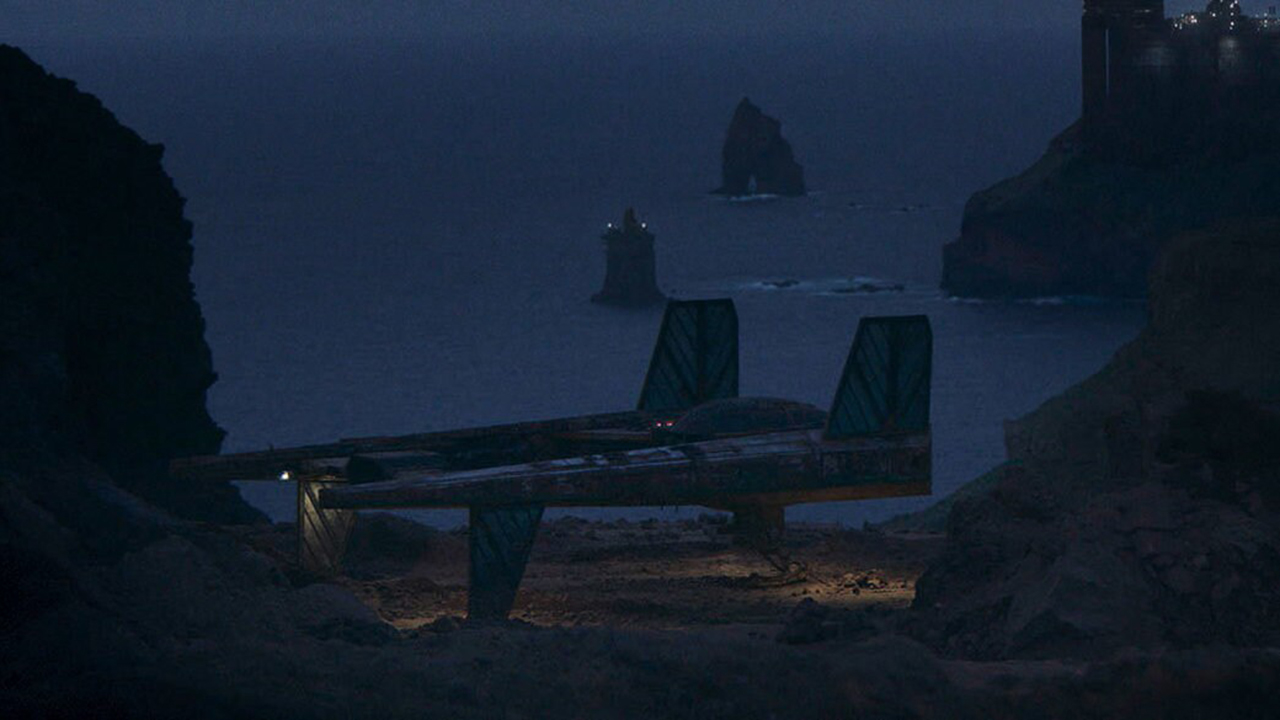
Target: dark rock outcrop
1140, 507
1176, 134
101, 340
1081, 223
756, 159
630, 271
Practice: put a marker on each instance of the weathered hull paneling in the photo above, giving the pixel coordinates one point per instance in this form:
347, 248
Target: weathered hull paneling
785, 468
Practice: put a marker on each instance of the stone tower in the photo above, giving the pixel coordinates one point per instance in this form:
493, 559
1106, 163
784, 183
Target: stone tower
630, 273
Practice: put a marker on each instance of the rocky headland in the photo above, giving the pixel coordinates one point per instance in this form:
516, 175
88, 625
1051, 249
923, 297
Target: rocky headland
756, 159
1176, 134
1084, 221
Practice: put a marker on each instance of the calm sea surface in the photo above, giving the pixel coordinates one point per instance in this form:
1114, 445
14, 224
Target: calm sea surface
395, 238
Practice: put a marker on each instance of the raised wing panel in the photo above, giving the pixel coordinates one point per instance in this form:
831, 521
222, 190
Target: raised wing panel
885, 385
322, 532
501, 539
695, 358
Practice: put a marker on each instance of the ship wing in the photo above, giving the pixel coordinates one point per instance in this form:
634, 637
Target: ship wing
787, 467
668, 475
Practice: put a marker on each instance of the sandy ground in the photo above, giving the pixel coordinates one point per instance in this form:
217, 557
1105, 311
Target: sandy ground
653, 575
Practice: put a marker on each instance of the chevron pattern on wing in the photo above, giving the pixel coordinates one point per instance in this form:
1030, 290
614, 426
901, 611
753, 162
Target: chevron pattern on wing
885, 387
695, 358
501, 539
322, 533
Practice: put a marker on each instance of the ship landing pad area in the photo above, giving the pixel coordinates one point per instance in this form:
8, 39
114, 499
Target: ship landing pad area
691, 441
649, 574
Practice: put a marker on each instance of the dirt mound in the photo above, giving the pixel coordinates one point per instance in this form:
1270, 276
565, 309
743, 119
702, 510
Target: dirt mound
384, 545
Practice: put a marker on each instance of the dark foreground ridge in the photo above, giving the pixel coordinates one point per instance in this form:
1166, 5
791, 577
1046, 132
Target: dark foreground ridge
757, 160
1176, 134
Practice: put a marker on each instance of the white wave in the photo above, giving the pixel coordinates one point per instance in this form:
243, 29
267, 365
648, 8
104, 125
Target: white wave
1072, 300
760, 197
895, 208
1046, 301
825, 286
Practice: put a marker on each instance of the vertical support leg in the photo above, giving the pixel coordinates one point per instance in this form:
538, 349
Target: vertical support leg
501, 539
322, 532
763, 529
760, 527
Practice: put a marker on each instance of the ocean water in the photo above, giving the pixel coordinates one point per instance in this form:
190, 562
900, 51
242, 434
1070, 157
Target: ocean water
397, 237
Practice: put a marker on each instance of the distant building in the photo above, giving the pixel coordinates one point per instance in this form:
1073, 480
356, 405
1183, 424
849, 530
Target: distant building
1154, 85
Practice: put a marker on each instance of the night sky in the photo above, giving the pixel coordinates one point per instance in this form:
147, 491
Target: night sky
74, 20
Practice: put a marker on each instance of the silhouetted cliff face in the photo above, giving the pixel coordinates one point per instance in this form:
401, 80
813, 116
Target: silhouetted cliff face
97, 256
1082, 222
756, 158
101, 340
1141, 507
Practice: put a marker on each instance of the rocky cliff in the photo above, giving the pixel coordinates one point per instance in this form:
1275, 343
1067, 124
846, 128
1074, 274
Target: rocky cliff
1141, 507
756, 159
1085, 220
97, 256
101, 340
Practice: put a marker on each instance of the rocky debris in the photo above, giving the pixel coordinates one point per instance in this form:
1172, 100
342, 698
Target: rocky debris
1139, 508
630, 269
756, 159
857, 582
101, 337
784, 573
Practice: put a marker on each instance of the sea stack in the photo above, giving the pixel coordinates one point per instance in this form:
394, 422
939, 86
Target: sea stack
757, 160
630, 277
